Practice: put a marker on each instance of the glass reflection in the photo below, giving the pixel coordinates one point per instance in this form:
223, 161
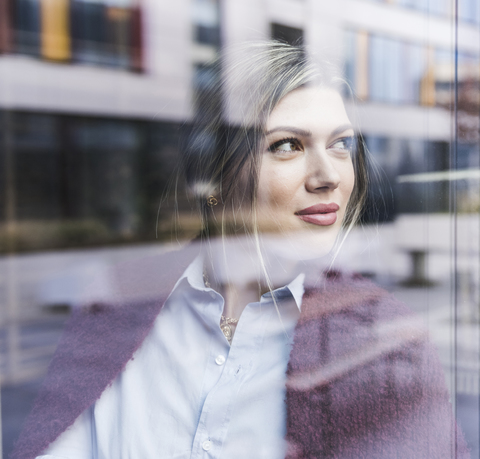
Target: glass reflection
100, 103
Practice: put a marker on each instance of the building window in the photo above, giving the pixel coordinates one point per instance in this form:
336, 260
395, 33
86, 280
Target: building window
205, 77
26, 24
395, 157
421, 5
440, 7
468, 78
397, 71
384, 69
436, 7
413, 67
206, 18
207, 41
287, 34
97, 32
69, 181
469, 11
101, 33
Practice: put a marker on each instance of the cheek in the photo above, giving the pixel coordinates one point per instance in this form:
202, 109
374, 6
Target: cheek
277, 185
348, 180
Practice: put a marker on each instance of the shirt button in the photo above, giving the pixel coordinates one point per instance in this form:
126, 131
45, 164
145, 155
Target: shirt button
213, 295
207, 445
220, 360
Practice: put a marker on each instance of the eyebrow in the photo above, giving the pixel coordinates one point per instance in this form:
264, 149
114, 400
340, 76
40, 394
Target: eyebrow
304, 133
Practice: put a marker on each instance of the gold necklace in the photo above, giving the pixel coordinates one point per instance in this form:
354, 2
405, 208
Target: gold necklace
205, 279
225, 326
225, 322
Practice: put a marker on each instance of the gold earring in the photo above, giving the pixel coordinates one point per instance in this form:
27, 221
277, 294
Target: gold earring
212, 201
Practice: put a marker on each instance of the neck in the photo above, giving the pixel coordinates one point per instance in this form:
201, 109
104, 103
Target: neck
235, 268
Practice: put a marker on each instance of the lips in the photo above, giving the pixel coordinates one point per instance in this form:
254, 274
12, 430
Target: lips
319, 214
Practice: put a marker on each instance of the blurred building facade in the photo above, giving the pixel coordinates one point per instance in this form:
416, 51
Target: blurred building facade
94, 95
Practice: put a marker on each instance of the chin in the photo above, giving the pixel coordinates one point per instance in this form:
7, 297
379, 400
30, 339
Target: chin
301, 245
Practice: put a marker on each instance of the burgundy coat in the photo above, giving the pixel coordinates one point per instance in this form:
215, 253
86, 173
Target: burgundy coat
363, 380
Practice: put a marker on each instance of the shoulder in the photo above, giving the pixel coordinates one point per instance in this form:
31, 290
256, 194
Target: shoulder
349, 317
363, 378
338, 292
98, 341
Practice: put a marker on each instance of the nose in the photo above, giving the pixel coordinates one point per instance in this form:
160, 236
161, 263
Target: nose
321, 173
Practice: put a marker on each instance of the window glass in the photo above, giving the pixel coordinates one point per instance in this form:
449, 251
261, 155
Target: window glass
205, 12
469, 11
333, 310
101, 33
441, 7
421, 5
27, 26
415, 71
350, 46
86, 31
206, 19
292, 35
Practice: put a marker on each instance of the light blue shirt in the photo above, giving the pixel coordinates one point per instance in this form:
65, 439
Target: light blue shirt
187, 393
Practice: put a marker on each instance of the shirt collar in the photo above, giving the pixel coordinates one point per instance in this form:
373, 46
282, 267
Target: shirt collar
297, 289
194, 275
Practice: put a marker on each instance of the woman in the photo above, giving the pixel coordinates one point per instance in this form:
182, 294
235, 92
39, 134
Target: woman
190, 356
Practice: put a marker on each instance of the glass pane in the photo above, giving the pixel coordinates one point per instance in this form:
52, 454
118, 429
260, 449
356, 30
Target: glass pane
246, 229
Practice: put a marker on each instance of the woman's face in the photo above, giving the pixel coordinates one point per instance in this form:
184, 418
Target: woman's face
306, 174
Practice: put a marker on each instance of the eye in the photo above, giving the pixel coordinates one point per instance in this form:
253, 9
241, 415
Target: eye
345, 143
286, 145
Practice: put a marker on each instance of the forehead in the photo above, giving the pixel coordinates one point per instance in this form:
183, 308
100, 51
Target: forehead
309, 108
